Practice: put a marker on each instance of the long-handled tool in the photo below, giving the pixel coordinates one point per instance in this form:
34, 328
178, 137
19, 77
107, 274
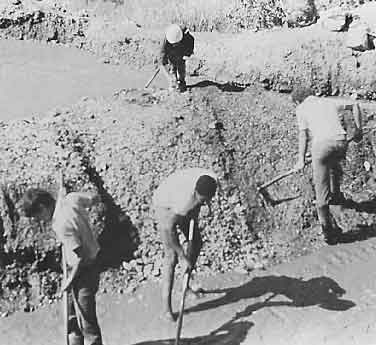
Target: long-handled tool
65, 298
187, 276
262, 189
152, 78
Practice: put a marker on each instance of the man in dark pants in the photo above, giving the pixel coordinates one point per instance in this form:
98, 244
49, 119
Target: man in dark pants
177, 44
70, 222
323, 119
177, 200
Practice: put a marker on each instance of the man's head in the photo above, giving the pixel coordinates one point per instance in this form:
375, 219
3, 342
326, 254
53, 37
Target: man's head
300, 93
38, 203
206, 187
174, 34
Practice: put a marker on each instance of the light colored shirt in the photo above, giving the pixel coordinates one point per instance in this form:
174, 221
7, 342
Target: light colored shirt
71, 225
323, 117
177, 190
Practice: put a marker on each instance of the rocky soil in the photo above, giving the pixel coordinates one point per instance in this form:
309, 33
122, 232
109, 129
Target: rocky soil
123, 146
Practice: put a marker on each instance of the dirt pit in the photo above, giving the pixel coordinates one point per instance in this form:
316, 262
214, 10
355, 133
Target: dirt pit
123, 145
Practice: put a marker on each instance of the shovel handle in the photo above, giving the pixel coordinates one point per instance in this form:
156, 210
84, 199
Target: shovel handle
187, 276
276, 179
291, 171
152, 78
65, 299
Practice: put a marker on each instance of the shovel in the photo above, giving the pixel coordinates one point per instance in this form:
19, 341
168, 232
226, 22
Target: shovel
187, 276
65, 299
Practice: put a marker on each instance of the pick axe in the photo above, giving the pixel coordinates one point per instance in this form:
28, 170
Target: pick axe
152, 78
265, 194
262, 189
187, 276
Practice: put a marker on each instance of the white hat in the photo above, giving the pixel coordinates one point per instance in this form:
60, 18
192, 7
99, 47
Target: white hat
174, 34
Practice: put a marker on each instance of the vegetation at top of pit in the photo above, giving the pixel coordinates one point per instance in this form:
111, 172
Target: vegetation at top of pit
198, 15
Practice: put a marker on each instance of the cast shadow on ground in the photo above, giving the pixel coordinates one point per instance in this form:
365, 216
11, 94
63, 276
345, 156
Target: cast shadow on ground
323, 292
225, 87
368, 206
231, 333
362, 232
119, 238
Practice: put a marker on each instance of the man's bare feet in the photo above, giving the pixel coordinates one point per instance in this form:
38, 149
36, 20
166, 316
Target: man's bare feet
196, 292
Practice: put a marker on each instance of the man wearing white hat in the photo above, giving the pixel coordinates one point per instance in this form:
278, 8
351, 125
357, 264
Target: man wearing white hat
177, 44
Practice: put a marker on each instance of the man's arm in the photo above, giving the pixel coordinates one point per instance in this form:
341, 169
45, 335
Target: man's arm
62, 191
86, 199
173, 241
357, 114
76, 269
163, 63
164, 53
189, 43
303, 144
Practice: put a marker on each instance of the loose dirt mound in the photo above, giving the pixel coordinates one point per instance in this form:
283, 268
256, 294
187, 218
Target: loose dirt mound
122, 148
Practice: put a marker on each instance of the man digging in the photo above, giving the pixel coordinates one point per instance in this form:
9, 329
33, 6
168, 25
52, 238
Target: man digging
71, 224
177, 44
323, 118
176, 201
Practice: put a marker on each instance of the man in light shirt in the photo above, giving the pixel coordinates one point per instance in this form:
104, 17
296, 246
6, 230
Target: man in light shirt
177, 200
323, 119
70, 222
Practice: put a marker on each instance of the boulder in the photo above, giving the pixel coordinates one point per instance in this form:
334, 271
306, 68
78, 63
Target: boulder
335, 19
300, 12
367, 15
359, 38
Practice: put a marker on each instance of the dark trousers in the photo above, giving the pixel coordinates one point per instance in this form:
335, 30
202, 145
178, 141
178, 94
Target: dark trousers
83, 325
177, 69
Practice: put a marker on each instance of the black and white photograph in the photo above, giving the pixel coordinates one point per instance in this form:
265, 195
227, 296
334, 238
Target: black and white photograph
187, 172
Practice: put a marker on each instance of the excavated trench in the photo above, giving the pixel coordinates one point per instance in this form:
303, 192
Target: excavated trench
123, 145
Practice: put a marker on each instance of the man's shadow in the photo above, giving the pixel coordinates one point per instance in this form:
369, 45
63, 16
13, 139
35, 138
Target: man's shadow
231, 333
368, 206
321, 291
362, 232
119, 238
225, 87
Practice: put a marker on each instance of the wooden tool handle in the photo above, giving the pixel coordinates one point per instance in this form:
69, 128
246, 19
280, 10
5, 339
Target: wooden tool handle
276, 179
65, 299
187, 276
152, 78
